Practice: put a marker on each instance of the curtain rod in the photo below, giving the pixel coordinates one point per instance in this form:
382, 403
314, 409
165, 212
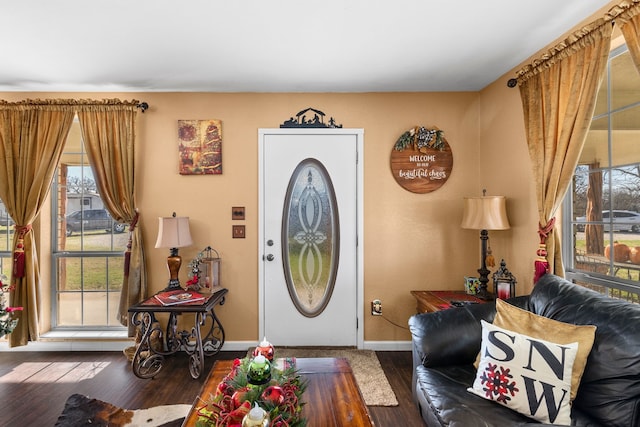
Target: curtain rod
610, 16
143, 106
554, 54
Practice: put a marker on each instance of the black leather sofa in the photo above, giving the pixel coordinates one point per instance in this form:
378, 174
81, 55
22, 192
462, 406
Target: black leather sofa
446, 343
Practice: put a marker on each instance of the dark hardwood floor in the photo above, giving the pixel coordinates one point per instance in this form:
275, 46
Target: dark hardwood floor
35, 385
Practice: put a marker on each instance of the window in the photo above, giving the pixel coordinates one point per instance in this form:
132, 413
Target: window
88, 250
602, 228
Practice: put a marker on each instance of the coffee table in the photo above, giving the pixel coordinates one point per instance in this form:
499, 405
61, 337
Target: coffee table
332, 396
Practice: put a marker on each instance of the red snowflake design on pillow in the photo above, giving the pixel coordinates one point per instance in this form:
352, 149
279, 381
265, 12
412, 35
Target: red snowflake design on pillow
497, 383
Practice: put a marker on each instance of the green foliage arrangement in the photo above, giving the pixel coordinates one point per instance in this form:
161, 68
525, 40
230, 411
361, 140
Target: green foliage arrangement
420, 137
7, 321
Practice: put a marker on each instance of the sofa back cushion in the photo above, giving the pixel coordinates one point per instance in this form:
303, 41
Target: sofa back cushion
610, 386
449, 337
452, 336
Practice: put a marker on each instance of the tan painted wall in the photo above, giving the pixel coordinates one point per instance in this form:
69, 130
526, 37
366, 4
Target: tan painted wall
412, 241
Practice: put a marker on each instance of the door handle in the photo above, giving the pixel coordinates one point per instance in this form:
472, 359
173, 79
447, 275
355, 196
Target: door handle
270, 257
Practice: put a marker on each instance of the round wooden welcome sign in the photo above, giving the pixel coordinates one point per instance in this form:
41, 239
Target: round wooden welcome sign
421, 160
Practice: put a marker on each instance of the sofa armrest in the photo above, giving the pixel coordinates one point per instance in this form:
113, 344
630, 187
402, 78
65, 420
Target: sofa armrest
448, 337
452, 336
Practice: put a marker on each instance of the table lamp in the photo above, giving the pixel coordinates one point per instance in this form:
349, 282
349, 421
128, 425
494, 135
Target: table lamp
173, 233
485, 213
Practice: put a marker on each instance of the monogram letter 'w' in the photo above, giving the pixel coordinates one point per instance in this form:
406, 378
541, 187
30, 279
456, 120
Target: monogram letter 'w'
547, 395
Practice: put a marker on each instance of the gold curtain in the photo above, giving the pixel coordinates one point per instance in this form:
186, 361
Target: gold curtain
108, 131
627, 16
32, 137
558, 96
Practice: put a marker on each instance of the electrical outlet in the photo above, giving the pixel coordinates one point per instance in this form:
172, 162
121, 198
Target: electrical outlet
376, 307
238, 231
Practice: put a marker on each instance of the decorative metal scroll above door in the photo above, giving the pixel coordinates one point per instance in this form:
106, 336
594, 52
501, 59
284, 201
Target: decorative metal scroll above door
310, 118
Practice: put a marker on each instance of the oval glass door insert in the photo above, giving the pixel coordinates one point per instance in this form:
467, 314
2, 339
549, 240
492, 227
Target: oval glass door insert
311, 237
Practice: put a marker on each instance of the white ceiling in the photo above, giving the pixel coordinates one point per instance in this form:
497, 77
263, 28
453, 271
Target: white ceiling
274, 46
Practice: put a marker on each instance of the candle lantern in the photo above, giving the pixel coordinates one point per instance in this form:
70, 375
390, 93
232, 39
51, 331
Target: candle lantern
504, 284
209, 279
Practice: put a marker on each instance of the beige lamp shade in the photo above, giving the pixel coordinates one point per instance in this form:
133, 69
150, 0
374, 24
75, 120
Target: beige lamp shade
485, 213
173, 232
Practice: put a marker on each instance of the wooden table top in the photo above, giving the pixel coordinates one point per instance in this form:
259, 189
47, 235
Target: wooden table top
332, 396
152, 305
430, 301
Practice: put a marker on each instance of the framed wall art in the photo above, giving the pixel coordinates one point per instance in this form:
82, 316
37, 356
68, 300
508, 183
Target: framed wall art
200, 147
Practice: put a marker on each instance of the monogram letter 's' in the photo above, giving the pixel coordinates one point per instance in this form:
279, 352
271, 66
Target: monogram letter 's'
495, 341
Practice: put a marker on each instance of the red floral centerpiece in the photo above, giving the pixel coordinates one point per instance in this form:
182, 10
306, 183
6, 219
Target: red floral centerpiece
7, 322
237, 394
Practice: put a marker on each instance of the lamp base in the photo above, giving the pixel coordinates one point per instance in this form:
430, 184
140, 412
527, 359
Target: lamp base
173, 265
484, 294
173, 285
483, 271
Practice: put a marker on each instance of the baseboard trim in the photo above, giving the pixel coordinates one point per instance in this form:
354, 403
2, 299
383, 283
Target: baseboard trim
119, 345
68, 345
388, 345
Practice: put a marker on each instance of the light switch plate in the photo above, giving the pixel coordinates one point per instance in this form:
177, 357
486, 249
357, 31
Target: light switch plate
237, 212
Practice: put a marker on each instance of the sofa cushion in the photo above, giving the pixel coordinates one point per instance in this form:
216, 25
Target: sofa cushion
528, 375
443, 400
528, 323
610, 387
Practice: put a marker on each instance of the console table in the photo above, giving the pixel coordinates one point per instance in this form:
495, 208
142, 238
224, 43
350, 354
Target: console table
430, 301
155, 343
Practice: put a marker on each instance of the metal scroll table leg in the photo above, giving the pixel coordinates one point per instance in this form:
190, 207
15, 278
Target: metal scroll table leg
213, 341
196, 358
173, 338
146, 363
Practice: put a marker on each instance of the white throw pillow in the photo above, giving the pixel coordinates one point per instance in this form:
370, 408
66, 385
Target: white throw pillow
528, 375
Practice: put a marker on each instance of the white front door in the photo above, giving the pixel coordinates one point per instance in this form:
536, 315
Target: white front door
310, 276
